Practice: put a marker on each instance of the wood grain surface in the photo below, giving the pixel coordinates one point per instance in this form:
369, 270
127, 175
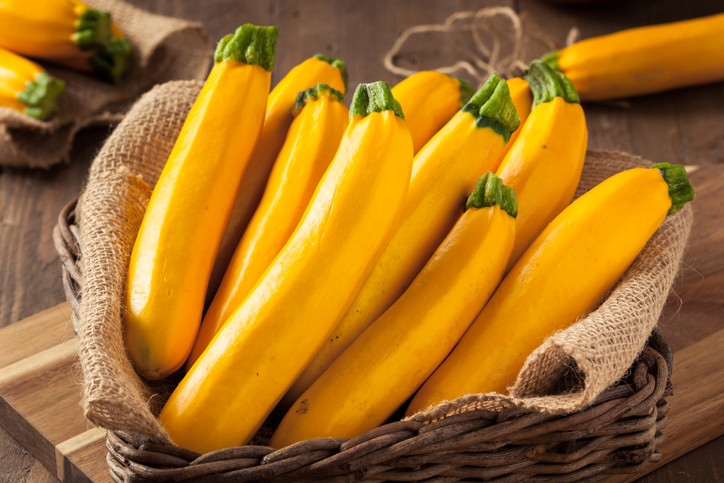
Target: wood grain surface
682, 126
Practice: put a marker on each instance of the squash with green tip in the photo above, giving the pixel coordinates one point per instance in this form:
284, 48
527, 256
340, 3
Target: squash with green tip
190, 205
644, 60
544, 165
27, 88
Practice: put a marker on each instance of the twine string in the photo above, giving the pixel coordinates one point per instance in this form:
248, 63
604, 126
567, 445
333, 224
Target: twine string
483, 58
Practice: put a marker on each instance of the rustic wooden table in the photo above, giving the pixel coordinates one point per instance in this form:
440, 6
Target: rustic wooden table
683, 127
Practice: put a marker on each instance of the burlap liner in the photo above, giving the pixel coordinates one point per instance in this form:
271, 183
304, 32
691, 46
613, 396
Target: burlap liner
165, 49
599, 348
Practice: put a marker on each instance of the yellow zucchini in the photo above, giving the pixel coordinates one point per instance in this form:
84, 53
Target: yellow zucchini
312, 141
544, 165
266, 343
429, 99
444, 173
394, 356
66, 32
564, 275
645, 60
191, 203
278, 118
26, 87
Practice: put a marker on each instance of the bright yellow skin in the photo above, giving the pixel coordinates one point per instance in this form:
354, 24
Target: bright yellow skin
268, 341
394, 356
186, 217
277, 120
646, 59
429, 100
544, 167
522, 100
443, 175
310, 146
15, 72
43, 29
564, 275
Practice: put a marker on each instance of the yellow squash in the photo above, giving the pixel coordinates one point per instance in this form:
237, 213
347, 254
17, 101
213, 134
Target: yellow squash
645, 60
443, 175
266, 343
26, 87
429, 100
564, 275
321, 118
394, 356
66, 32
544, 165
191, 203
278, 118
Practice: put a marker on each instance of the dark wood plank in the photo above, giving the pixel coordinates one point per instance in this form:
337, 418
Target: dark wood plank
37, 333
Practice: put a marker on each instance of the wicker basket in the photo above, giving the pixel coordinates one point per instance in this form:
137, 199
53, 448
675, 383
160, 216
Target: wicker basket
618, 433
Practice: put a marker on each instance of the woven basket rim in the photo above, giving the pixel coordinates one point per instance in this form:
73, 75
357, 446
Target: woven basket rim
637, 410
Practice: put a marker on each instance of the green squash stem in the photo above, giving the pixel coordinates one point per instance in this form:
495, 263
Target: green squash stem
547, 84
680, 190
41, 96
338, 63
493, 107
312, 94
251, 45
374, 97
490, 191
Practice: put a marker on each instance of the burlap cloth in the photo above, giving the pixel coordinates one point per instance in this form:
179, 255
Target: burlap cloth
164, 49
599, 349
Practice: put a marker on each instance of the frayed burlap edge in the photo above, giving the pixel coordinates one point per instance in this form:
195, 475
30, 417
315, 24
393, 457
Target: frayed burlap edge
109, 214
165, 49
598, 350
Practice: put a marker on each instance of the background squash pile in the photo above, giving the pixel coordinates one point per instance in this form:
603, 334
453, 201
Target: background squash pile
63, 32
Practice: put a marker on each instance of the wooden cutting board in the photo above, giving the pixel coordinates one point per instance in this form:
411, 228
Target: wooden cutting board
40, 398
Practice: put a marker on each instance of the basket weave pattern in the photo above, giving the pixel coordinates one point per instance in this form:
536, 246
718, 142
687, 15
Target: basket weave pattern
618, 433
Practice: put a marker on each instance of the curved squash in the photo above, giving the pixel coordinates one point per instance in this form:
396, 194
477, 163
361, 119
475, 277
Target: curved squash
443, 175
564, 275
191, 203
278, 118
394, 356
26, 87
429, 99
644, 60
264, 346
66, 32
321, 118
544, 166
